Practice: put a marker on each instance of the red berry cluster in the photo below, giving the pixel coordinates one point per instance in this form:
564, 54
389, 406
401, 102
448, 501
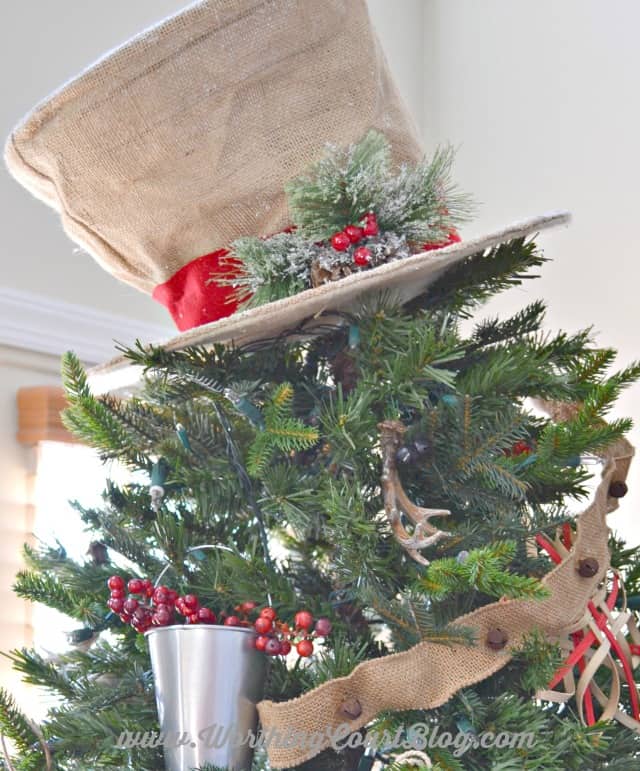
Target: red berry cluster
453, 237
275, 637
520, 448
241, 615
353, 234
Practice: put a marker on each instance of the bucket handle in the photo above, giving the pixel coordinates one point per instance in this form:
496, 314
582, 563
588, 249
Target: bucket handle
202, 547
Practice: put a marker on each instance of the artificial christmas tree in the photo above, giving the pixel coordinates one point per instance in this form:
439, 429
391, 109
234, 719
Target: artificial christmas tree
305, 464
388, 512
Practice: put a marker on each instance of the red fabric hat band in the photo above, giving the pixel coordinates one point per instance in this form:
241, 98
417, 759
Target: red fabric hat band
192, 297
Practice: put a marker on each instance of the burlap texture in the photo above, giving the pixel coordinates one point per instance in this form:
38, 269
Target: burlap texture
183, 139
429, 674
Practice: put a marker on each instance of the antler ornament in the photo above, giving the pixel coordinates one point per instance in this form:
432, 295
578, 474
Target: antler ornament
396, 501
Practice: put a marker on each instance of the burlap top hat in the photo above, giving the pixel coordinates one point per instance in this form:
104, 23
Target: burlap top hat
180, 141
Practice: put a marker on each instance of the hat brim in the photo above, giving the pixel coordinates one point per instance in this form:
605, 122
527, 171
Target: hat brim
404, 279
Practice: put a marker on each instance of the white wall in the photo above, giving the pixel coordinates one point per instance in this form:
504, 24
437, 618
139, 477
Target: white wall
542, 100
400, 26
16, 512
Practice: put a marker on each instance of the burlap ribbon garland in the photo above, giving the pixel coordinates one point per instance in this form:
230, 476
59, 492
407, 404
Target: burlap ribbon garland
430, 673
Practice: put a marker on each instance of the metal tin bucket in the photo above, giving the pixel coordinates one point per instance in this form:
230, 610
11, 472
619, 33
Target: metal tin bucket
208, 680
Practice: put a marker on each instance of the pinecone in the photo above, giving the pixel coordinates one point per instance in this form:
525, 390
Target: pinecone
320, 274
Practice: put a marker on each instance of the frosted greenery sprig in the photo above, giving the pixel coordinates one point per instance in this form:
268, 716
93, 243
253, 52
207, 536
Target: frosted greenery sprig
414, 205
420, 202
272, 268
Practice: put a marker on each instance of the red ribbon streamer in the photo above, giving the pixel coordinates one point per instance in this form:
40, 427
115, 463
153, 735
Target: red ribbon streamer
582, 642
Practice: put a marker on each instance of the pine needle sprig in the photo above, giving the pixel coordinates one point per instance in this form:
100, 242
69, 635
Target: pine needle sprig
429, 629
340, 188
282, 432
422, 202
348, 421
159, 359
469, 282
99, 422
271, 268
339, 661
483, 570
38, 671
121, 536
517, 370
586, 430
40, 587
14, 723
292, 496
540, 658
524, 322
418, 201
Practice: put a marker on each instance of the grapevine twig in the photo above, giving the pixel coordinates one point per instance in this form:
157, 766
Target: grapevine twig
5, 752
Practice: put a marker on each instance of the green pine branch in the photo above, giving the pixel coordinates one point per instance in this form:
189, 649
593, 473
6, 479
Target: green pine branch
36, 670
470, 282
44, 588
340, 188
272, 268
495, 330
339, 660
100, 423
483, 570
14, 723
281, 433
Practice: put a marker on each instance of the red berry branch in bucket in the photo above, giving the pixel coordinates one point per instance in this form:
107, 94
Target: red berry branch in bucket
276, 637
147, 606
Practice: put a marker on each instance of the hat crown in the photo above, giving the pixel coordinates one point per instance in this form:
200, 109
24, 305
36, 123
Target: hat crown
183, 139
